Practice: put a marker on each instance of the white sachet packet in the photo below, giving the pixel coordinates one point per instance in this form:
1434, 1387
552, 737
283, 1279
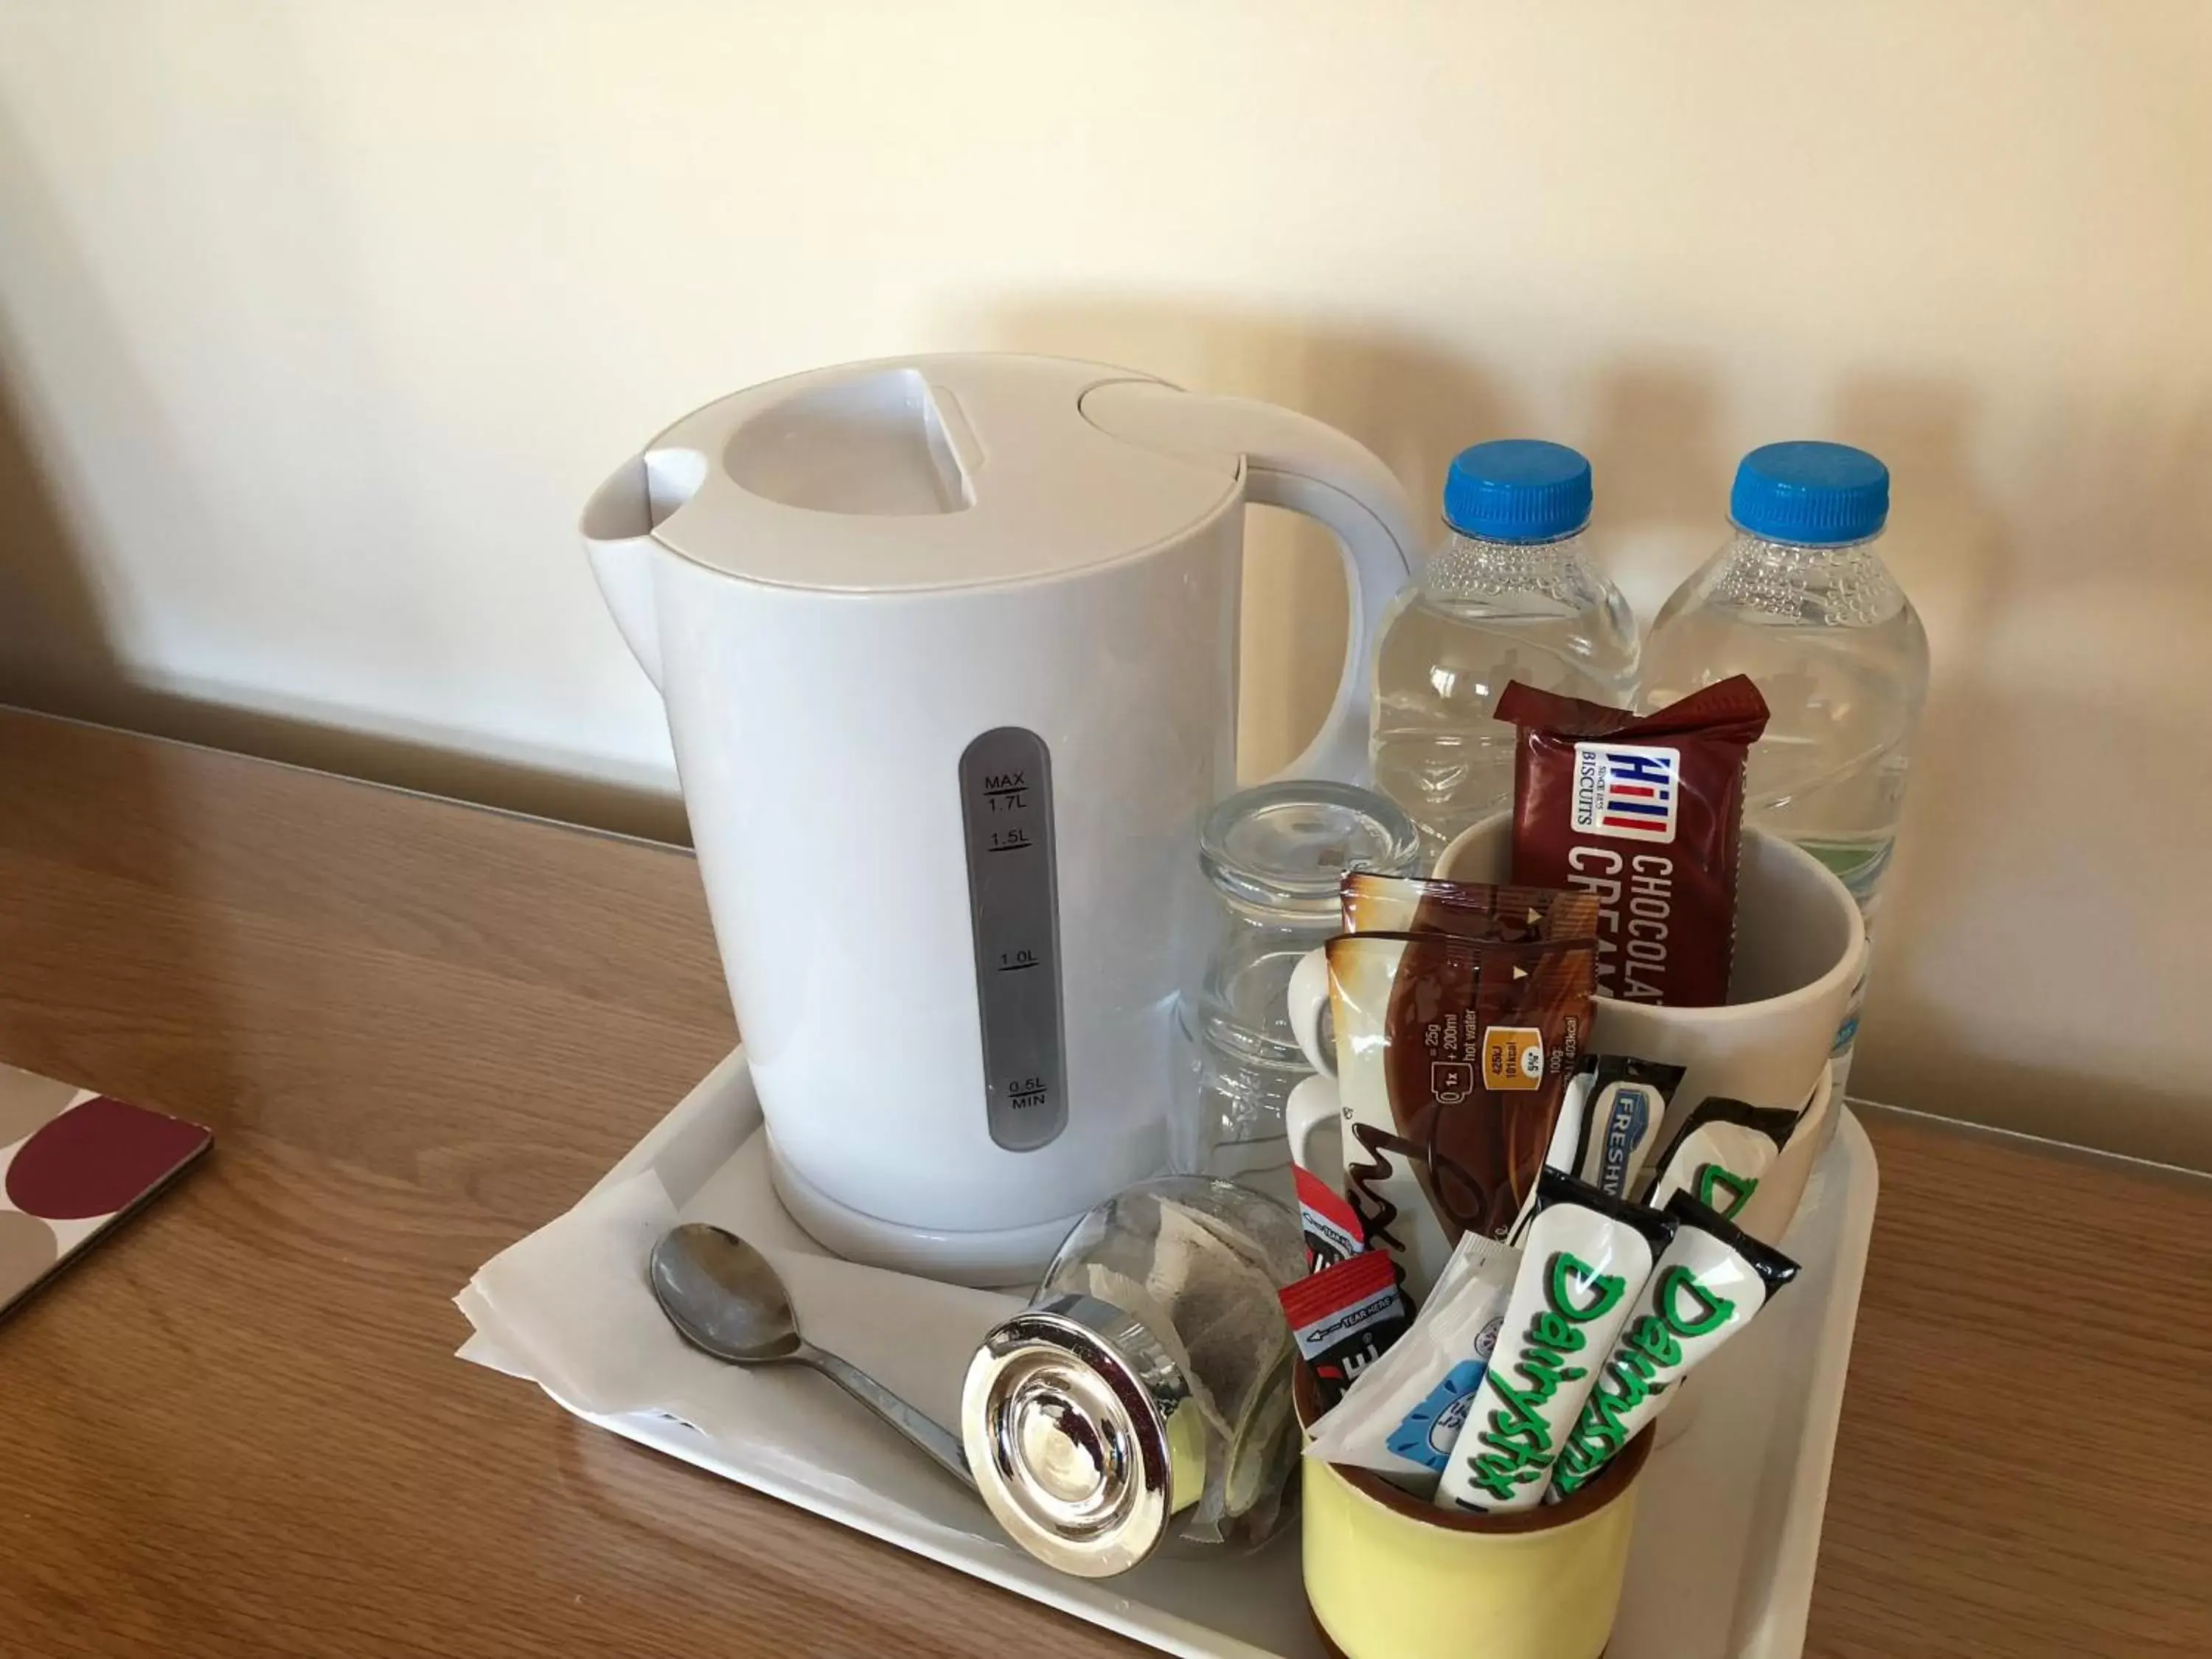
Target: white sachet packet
1401, 1415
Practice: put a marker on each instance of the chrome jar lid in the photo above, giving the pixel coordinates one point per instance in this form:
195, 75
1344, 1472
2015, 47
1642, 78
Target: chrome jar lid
1082, 1435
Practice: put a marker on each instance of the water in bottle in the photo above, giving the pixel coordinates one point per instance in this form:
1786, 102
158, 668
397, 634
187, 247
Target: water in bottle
1801, 600
1509, 595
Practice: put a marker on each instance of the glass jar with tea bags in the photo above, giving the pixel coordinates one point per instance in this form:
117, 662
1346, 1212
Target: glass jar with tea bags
1143, 1398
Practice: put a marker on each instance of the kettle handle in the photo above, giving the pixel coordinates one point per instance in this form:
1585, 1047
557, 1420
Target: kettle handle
1375, 533
1291, 461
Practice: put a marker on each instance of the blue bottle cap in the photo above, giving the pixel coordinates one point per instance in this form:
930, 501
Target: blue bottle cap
1517, 489
1813, 494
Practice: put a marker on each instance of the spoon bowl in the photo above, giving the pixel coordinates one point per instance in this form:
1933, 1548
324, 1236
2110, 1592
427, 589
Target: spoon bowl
723, 1296
725, 1299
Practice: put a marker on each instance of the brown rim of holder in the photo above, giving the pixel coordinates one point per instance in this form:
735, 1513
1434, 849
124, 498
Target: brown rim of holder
1328, 1642
1611, 1481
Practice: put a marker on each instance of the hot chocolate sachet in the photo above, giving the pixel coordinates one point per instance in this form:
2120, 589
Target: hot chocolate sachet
1452, 1058
1643, 812
1376, 903
1475, 1082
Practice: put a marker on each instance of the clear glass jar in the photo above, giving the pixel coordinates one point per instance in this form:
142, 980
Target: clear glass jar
1274, 855
1143, 1398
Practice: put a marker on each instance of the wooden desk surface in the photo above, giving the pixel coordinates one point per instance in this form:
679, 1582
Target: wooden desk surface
420, 1030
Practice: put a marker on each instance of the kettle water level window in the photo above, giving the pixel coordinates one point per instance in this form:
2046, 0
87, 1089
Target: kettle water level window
1006, 805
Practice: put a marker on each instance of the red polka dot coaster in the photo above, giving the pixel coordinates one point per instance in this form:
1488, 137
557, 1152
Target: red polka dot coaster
72, 1163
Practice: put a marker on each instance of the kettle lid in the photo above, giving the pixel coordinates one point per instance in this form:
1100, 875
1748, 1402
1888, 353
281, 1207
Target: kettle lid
907, 475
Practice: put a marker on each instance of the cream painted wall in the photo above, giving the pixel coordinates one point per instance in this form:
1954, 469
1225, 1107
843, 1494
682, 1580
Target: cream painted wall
317, 321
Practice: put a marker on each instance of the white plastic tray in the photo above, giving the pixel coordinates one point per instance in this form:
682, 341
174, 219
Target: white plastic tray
1727, 1531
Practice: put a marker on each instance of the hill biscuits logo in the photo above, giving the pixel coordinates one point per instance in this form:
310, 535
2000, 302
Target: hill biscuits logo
1625, 791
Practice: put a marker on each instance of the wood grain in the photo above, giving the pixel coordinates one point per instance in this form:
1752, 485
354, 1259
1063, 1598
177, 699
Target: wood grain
419, 1029
2026, 1438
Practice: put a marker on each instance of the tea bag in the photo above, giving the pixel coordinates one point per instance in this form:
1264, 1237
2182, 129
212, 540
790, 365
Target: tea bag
1227, 1336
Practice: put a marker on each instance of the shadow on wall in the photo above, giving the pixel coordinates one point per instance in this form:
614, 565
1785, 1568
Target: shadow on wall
2037, 963
58, 655
52, 632
2056, 697
63, 640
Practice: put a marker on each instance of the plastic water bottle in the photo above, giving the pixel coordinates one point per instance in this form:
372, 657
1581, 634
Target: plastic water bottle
1801, 600
1509, 595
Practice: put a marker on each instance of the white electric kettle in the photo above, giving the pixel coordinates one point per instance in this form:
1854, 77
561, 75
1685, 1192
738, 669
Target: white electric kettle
949, 650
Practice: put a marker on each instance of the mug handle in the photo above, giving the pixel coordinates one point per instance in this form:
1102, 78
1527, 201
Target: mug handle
1313, 1107
1308, 996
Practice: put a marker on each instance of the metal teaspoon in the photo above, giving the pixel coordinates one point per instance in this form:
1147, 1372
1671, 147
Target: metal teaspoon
725, 1299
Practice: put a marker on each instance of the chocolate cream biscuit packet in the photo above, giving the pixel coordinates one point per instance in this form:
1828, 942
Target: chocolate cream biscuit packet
1644, 812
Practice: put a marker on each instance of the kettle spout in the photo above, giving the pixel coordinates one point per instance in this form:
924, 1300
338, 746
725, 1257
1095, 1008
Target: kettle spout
617, 530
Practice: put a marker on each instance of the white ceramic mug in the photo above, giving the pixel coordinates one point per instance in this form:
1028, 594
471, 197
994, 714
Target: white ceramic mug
1799, 948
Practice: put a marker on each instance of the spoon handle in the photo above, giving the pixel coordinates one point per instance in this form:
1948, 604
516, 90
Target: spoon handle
943, 1447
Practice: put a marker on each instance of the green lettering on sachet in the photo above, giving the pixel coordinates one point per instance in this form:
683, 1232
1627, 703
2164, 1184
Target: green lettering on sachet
1718, 1189
1679, 1288
1604, 1288
1648, 1344
1553, 1330
1642, 1365
1514, 1445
